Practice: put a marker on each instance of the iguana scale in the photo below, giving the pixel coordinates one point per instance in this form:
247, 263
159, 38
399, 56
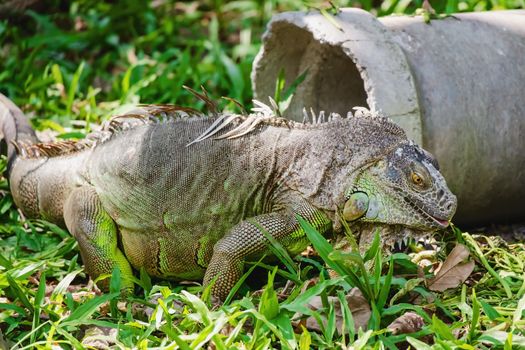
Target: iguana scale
187, 196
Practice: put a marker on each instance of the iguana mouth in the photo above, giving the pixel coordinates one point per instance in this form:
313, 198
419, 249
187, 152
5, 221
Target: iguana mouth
433, 220
442, 222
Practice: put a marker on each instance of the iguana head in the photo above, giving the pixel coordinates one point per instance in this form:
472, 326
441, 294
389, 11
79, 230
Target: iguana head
403, 188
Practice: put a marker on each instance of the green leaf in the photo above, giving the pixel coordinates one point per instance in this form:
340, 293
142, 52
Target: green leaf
19, 293
145, 281
322, 247
234, 74
74, 87
279, 85
126, 82
198, 305
71, 135
300, 304
472, 243
61, 287
5, 203
278, 250
241, 280
5, 263
508, 342
57, 74
441, 329
330, 328
13, 307
407, 288
269, 304
519, 312
398, 308
385, 288
418, 344
331, 19
348, 319
84, 311
475, 317
284, 322
489, 310
283, 99
374, 247
114, 288
305, 340
362, 339
72, 340
37, 304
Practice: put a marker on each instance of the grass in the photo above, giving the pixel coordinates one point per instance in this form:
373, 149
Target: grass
68, 66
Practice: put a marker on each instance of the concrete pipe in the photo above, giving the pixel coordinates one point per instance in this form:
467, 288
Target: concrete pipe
456, 85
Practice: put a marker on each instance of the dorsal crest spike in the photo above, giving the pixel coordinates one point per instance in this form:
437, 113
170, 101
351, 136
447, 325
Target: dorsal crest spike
211, 105
305, 116
237, 103
145, 114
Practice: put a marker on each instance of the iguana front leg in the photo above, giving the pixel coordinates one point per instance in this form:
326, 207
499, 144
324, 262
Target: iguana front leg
247, 239
96, 234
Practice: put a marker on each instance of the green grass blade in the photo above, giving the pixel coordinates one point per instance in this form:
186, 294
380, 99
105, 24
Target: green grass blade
322, 246
277, 249
385, 289
74, 87
114, 288
300, 304
481, 257
519, 312
37, 304
373, 250
491, 313
19, 292
239, 283
85, 310
348, 318
269, 305
441, 329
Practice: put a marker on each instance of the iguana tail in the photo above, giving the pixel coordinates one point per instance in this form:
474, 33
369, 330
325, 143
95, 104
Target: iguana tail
14, 127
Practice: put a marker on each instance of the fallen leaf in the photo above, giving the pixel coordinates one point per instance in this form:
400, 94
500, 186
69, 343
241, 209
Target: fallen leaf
357, 304
100, 337
454, 270
406, 323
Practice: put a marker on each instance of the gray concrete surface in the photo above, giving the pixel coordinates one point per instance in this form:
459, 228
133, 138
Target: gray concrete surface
456, 85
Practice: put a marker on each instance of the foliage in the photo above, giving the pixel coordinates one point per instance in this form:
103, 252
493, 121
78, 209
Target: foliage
68, 65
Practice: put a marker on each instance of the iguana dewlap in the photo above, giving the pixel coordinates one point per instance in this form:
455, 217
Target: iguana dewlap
187, 196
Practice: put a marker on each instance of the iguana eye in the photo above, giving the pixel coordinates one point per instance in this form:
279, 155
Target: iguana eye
417, 179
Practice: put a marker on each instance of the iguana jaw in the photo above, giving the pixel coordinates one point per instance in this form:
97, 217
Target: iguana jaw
361, 206
435, 221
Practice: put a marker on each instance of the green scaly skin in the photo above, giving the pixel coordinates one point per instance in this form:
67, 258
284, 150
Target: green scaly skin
141, 194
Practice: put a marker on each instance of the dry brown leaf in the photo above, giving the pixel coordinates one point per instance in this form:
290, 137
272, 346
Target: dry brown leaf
406, 323
357, 304
454, 271
100, 337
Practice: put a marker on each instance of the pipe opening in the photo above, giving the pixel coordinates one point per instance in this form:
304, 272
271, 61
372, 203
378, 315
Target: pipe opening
333, 82
338, 82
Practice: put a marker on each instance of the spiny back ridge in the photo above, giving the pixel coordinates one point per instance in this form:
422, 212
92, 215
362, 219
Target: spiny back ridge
262, 114
144, 114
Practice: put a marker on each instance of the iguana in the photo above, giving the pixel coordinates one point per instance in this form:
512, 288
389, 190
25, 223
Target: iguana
186, 196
